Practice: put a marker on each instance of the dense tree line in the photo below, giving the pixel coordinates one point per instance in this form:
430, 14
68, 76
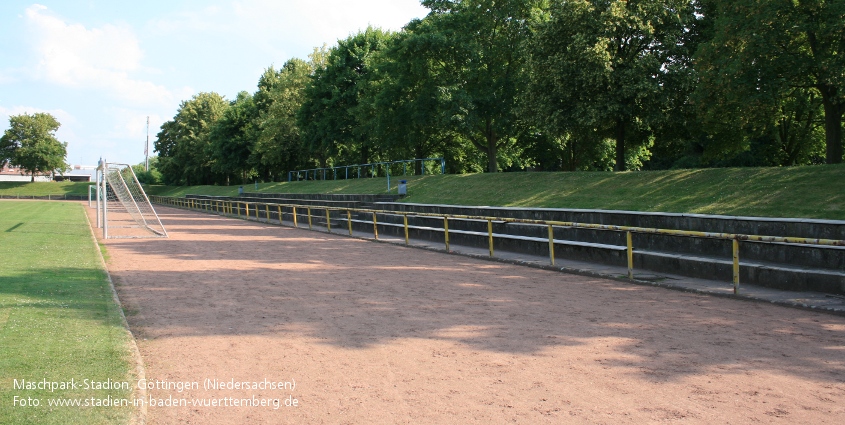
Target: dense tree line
509, 85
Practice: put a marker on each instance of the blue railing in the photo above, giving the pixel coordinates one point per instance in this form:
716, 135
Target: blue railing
344, 170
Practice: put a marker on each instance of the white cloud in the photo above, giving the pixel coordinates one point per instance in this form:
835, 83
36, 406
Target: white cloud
272, 24
8, 77
131, 124
75, 56
327, 20
63, 116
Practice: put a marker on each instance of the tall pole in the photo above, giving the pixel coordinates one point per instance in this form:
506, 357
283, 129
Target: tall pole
105, 172
99, 190
147, 147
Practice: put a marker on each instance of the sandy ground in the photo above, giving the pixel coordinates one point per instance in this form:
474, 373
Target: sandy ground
361, 332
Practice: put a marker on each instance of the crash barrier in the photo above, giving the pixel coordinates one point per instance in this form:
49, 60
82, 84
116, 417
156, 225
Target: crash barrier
342, 172
325, 214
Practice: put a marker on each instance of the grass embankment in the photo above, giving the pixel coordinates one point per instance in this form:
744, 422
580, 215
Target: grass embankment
811, 192
808, 192
58, 320
44, 188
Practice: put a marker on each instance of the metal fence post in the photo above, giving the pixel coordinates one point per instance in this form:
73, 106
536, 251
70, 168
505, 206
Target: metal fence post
446, 232
490, 234
375, 226
328, 221
630, 244
405, 222
736, 265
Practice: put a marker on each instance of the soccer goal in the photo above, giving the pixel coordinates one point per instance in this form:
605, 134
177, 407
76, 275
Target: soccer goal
123, 209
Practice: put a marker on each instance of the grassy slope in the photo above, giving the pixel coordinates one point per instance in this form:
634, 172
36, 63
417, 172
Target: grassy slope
44, 188
57, 317
811, 192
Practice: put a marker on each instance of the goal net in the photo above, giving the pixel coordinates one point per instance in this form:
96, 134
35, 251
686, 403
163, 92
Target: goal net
126, 210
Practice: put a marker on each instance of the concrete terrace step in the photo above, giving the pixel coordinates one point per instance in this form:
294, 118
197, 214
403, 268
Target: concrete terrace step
495, 235
774, 275
776, 265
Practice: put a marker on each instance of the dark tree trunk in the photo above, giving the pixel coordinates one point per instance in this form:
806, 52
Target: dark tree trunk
418, 165
365, 154
492, 151
492, 148
833, 111
620, 146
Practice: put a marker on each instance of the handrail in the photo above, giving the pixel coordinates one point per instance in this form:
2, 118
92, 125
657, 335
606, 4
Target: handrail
735, 237
372, 165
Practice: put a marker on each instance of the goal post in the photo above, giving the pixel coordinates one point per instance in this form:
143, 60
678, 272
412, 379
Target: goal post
124, 209
91, 196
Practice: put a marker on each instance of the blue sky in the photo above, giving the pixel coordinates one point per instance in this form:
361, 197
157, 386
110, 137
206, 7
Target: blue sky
102, 67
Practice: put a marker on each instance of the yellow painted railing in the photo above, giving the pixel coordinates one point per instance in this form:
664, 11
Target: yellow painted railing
228, 206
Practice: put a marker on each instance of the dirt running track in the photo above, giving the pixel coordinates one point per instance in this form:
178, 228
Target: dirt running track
375, 333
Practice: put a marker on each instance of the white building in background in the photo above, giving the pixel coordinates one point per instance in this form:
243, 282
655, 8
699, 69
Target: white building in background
13, 174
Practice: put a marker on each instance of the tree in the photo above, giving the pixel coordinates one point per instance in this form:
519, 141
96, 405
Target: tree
327, 118
183, 143
604, 66
232, 138
481, 71
279, 143
30, 143
404, 108
153, 176
769, 55
166, 147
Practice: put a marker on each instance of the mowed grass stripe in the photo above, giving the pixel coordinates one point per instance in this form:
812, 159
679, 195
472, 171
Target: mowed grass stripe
58, 320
